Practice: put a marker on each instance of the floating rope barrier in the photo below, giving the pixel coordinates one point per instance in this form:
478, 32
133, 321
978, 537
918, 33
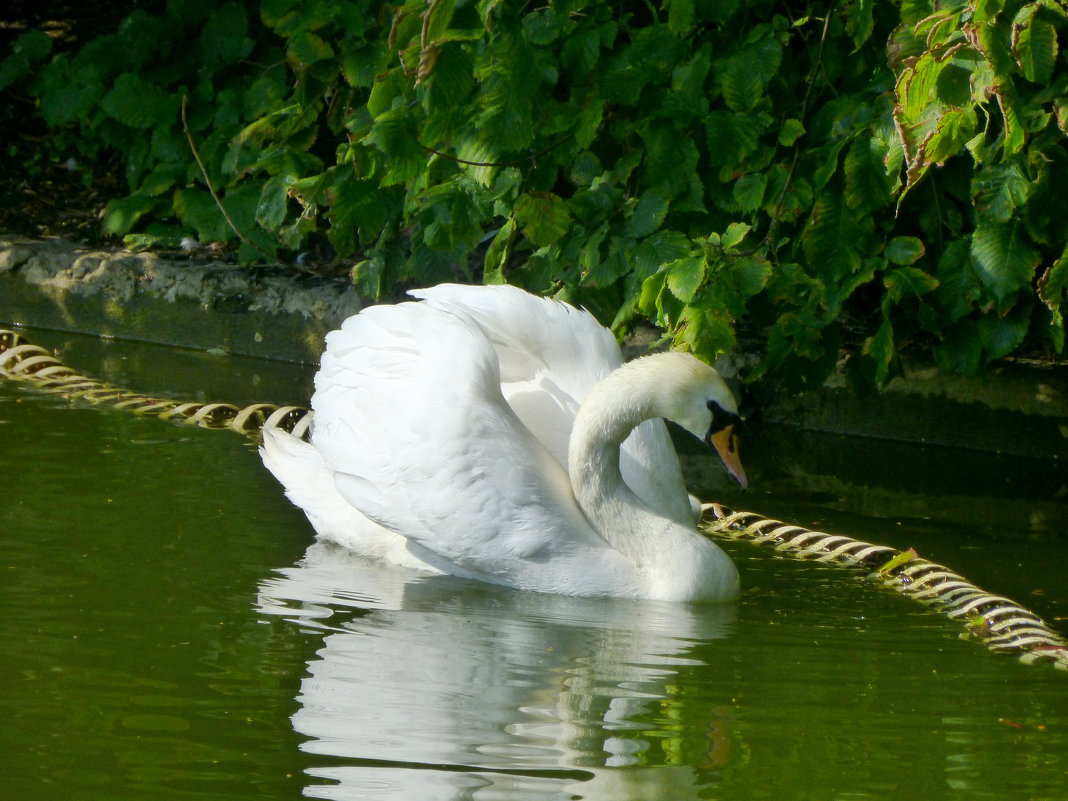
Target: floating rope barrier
22, 361
1000, 624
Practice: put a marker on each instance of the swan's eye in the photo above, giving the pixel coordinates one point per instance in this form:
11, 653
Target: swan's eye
721, 418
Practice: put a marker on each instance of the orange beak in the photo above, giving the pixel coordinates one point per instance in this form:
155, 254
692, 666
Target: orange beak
725, 441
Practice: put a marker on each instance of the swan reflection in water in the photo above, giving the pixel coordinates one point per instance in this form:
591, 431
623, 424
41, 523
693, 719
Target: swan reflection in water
439, 688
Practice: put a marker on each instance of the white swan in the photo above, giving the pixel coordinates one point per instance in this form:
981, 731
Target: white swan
449, 437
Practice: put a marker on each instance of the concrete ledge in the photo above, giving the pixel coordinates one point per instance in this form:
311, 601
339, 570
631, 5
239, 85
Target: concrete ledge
1015, 409
139, 296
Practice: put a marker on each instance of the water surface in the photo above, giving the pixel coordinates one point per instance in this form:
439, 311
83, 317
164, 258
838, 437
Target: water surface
169, 630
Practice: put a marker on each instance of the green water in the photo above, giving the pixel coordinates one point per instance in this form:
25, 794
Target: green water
171, 631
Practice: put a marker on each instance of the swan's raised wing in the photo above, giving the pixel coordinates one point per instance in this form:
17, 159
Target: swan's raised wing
534, 336
551, 355
410, 417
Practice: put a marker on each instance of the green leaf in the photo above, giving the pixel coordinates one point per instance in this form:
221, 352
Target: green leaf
958, 285
437, 18
994, 43
497, 254
1015, 135
34, 45
588, 121
905, 250
685, 276
916, 88
271, 209
704, 332
833, 239
122, 214
648, 214
733, 236
960, 350
1000, 191
651, 292
1001, 335
240, 203
358, 206
224, 39
908, 281
748, 274
395, 134
1053, 285
953, 86
387, 88
543, 216
731, 137
791, 131
138, 103
452, 80
880, 347
951, 134
748, 192
829, 166
680, 15
197, 209
670, 165
1003, 258
161, 178
581, 51
367, 277
867, 187
308, 48
544, 26
1034, 44
27, 48
859, 21
744, 75
591, 272
659, 249
987, 10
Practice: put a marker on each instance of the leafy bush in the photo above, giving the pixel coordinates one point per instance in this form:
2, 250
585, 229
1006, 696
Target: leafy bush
704, 164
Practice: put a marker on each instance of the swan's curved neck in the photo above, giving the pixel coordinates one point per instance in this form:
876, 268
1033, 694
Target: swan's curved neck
612, 409
672, 561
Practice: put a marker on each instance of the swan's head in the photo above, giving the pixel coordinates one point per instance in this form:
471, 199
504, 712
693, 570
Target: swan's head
699, 400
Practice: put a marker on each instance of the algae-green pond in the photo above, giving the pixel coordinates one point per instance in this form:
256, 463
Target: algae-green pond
170, 630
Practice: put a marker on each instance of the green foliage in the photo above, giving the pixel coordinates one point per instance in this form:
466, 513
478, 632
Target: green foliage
705, 165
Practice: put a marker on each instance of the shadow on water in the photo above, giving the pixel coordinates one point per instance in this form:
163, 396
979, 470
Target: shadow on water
168, 633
